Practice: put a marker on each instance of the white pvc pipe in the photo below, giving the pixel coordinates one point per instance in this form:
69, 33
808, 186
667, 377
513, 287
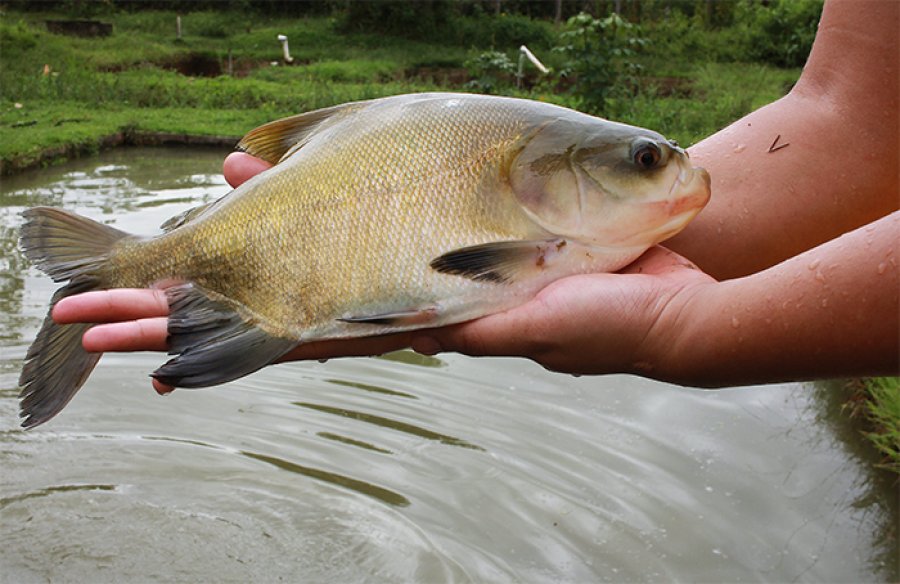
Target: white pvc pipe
524, 53
534, 60
284, 45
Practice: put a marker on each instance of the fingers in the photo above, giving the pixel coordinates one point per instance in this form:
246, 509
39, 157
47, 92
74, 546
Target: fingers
510, 333
161, 388
111, 306
240, 166
145, 334
132, 319
658, 260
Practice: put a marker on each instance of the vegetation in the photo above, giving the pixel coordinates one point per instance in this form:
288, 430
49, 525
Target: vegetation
876, 402
598, 55
218, 78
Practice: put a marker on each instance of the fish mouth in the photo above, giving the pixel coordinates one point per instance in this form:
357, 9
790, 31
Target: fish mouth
690, 192
696, 196
650, 222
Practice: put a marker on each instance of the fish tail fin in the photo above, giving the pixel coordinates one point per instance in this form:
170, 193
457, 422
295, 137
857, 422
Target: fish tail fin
69, 247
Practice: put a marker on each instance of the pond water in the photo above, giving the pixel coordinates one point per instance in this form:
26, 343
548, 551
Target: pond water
405, 467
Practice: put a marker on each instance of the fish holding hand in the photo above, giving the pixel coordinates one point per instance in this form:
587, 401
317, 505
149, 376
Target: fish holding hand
381, 216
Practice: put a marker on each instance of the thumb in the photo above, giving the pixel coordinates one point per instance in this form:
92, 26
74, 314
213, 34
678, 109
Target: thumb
504, 334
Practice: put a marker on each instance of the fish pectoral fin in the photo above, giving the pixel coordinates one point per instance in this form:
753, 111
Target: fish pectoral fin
276, 140
412, 316
213, 343
501, 262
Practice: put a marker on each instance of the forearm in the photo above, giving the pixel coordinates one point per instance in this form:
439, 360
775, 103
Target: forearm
832, 311
834, 166
769, 206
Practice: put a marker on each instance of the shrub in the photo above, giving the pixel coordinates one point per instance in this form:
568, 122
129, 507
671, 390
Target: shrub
780, 33
598, 58
506, 31
414, 20
16, 36
490, 70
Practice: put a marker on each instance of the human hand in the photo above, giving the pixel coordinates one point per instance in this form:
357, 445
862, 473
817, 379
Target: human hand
591, 323
627, 322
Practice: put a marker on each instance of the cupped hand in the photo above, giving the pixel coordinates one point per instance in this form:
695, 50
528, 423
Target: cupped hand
591, 323
626, 322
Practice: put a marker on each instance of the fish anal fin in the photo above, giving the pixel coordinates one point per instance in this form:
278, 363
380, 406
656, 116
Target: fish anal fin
413, 316
214, 343
499, 262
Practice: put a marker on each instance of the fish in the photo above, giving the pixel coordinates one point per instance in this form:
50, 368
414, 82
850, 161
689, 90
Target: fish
378, 216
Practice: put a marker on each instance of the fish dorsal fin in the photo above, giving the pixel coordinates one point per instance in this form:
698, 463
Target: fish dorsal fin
273, 141
500, 261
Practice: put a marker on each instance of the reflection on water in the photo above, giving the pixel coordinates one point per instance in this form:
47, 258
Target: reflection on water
383, 495
367, 387
389, 423
405, 467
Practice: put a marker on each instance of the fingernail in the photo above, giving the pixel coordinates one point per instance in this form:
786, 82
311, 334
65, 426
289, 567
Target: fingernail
426, 345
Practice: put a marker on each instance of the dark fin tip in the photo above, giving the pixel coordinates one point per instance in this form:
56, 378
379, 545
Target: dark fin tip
213, 343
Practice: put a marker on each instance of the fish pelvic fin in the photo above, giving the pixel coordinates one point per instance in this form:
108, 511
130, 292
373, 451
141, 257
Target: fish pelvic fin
420, 315
276, 140
65, 246
213, 342
500, 262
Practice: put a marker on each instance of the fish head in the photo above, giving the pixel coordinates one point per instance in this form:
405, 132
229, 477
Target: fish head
607, 184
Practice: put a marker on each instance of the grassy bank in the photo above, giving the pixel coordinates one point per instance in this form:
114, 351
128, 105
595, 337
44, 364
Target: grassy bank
61, 93
876, 402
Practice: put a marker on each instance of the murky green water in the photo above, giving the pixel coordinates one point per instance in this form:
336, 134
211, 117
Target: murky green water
404, 468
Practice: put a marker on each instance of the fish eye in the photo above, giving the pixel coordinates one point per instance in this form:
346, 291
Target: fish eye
646, 155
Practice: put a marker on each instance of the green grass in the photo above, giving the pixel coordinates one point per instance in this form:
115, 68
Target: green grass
883, 411
716, 95
96, 87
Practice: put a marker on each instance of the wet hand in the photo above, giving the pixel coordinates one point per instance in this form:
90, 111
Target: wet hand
135, 320
589, 324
